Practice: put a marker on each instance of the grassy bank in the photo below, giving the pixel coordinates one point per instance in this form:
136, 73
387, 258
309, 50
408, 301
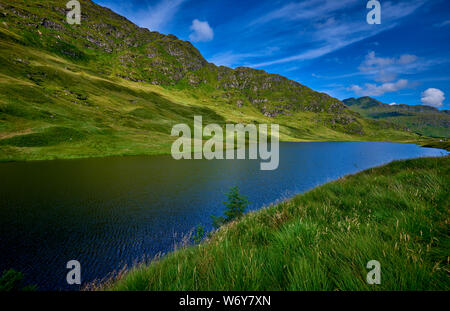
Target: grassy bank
397, 214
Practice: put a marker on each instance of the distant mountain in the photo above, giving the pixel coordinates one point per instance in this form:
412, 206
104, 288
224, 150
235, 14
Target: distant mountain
424, 120
108, 87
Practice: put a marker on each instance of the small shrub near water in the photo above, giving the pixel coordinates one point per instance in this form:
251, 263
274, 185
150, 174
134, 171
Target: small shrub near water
235, 207
199, 234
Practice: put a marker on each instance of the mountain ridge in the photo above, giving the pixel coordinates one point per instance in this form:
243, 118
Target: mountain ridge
424, 120
109, 87
371, 102
160, 50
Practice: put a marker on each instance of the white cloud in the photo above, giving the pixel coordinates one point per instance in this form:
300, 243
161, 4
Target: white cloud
407, 59
158, 16
433, 97
372, 61
385, 69
392, 104
371, 89
201, 31
357, 89
305, 10
231, 59
333, 28
155, 17
443, 24
311, 54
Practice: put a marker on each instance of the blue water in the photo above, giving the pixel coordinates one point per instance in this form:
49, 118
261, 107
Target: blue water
109, 212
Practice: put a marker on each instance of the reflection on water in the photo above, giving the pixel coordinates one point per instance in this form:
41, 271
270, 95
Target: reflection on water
110, 212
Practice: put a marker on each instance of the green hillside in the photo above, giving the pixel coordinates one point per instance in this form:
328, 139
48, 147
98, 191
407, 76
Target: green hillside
108, 87
424, 120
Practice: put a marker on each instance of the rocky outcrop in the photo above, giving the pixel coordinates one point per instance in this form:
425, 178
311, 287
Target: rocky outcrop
140, 55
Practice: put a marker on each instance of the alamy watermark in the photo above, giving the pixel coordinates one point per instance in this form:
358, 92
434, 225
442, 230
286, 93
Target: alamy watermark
74, 275
74, 15
374, 16
374, 275
224, 147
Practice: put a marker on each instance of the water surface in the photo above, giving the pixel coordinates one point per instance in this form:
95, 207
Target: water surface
110, 212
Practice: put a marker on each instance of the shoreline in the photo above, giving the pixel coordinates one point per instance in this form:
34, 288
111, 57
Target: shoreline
319, 207
429, 143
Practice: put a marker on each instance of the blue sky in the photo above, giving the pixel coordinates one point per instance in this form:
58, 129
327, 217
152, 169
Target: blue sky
324, 44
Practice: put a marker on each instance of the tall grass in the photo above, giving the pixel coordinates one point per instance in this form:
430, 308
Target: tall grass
397, 214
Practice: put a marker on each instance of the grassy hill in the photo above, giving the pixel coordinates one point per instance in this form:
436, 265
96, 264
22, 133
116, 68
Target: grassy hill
424, 120
108, 87
322, 240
